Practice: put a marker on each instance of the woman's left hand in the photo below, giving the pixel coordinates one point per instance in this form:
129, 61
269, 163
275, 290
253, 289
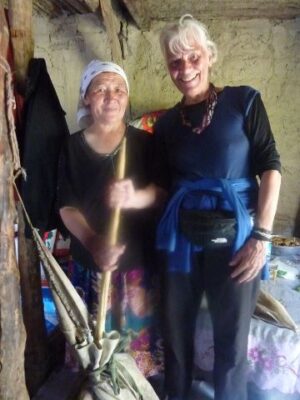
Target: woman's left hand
249, 260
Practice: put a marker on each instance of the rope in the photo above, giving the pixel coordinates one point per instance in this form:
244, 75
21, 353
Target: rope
49, 263
10, 106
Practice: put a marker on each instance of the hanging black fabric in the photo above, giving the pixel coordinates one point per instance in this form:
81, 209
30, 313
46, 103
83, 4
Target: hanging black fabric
45, 130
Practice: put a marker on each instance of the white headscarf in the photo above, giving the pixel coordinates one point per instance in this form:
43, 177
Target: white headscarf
93, 69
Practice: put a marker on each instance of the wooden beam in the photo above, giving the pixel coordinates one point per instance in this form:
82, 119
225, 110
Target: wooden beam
74, 6
136, 9
46, 8
55, 8
20, 21
112, 25
93, 5
12, 332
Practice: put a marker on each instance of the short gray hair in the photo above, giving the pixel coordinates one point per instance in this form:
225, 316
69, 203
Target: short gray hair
177, 37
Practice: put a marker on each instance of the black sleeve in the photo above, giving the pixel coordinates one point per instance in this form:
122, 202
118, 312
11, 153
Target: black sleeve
139, 156
264, 155
65, 191
146, 162
161, 170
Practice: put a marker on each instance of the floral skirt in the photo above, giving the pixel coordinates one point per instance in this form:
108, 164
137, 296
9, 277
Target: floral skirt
133, 309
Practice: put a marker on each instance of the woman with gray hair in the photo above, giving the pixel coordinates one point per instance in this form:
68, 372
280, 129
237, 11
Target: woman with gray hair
212, 148
87, 168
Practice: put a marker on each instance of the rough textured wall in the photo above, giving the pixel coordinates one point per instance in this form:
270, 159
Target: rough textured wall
258, 52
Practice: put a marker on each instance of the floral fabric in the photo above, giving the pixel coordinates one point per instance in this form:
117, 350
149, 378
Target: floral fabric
273, 352
133, 308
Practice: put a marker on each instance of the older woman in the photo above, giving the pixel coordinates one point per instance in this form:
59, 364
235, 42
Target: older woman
210, 148
87, 168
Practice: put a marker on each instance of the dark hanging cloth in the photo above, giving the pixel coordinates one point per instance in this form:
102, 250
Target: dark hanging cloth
45, 129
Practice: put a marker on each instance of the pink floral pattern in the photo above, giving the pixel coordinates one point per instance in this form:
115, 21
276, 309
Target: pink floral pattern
273, 355
274, 362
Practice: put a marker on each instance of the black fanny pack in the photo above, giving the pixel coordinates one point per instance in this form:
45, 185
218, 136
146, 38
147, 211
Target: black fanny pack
208, 228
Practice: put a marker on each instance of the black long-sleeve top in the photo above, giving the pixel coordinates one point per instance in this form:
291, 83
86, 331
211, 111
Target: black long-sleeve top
237, 144
84, 176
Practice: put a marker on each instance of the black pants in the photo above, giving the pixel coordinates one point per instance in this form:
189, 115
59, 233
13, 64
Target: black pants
231, 306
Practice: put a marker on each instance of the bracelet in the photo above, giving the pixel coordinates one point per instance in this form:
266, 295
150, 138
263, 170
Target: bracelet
257, 234
262, 230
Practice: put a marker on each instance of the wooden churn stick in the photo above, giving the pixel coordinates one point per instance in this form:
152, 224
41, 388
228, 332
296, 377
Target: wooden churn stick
103, 287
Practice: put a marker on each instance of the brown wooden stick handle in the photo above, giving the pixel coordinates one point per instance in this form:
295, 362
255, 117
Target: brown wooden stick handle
103, 287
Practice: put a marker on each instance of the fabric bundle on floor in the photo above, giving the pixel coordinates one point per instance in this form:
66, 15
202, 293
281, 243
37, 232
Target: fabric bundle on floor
111, 373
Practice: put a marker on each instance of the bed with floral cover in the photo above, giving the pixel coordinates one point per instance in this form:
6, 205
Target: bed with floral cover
273, 351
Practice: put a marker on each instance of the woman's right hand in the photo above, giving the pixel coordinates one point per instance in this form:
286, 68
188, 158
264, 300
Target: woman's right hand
105, 256
122, 194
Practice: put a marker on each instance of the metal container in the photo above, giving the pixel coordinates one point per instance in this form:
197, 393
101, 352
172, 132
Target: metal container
285, 250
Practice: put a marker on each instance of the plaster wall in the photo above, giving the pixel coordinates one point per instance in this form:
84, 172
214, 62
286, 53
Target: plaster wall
258, 52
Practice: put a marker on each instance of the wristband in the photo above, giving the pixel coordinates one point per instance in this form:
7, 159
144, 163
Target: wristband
259, 235
262, 230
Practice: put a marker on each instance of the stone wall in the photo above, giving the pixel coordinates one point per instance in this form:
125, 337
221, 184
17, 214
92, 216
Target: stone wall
257, 52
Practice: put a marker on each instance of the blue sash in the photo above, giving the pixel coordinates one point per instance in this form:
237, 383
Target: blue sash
234, 194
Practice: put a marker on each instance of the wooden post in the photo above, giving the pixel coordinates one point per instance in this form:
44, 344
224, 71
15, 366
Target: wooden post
12, 332
37, 360
20, 21
36, 351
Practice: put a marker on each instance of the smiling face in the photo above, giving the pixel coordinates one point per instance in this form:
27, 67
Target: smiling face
189, 70
107, 98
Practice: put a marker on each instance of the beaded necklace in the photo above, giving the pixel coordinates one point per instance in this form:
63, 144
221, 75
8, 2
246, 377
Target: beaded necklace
210, 104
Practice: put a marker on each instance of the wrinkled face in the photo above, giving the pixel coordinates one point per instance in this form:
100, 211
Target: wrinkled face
107, 98
189, 71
